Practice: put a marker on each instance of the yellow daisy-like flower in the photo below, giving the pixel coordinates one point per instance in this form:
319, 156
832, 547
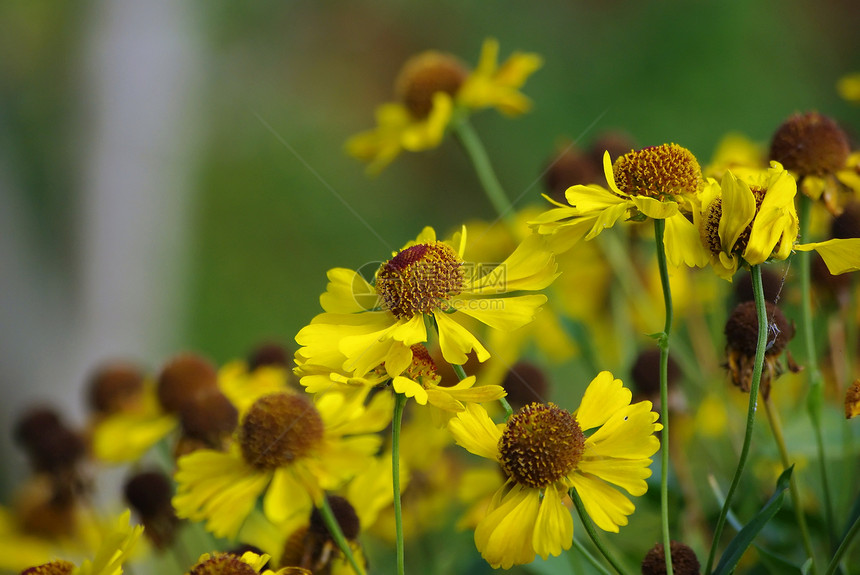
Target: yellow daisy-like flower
848, 87
658, 182
249, 563
108, 560
546, 451
287, 447
752, 219
430, 88
369, 325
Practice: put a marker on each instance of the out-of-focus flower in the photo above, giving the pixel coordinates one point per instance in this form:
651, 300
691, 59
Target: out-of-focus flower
289, 448
848, 87
248, 563
431, 89
544, 452
852, 400
735, 151
817, 151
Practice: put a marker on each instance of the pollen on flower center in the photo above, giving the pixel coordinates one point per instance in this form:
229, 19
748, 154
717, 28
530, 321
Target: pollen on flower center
278, 429
424, 75
711, 230
658, 171
222, 564
58, 567
422, 364
540, 445
419, 279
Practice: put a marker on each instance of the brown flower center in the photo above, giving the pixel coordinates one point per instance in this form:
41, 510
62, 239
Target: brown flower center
58, 567
658, 171
424, 75
540, 445
222, 564
278, 429
420, 279
810, 144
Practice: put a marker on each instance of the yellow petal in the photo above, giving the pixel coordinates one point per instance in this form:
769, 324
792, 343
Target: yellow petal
654, 208
505, 536
606, 506
627, 433
553, 531
629, 474
607, 218
428, 133
475, 431
603, 397
125, 437
738, 210
683, 243
286, 497
348, 292
410, 388
589, 199
456, 341
506, 314
840, 255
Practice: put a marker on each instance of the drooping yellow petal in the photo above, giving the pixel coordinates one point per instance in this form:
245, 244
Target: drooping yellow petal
428, 133
738, 210
607, 218
531, 266
606, 506
629, 474
505, 314
492, 86
603, 397
125, 437
654, 208
553, 530
593, 198
456, 341
218, 488
840, 255
776, 221
410, 388
475, 431
505, 537
683, 243
286, 497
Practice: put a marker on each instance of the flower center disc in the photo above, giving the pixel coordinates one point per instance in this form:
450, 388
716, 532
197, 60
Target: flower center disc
658, 172
419, 279
279, 429
540, 445
223, 564
424, 75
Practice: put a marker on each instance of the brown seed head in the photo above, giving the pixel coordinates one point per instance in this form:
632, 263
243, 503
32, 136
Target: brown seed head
810, 144
419, 279
525, 383
222, 564
742, 329
540, 445
425, 74
114, 386
58, 567
183, 379
569, 168
278, 429
268, 354
346, 517
209, 418
684, 560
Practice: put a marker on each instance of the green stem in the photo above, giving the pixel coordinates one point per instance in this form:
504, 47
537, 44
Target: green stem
337, 534
659, 228
474, 148
592, 532
776, 427
843, 547
758, 295
461, 374
590, 558
816, 389
399, 404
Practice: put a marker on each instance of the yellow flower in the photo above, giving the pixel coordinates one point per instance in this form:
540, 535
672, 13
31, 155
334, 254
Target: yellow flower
544, 452
734, 150
752, 219
367, 325
656, 182
287, 447
848, 87
113, 551
248, 562
430, 89
491, 85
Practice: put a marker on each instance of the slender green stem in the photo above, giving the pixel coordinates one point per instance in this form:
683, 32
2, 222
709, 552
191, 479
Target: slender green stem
758, 295
337, 534
843, 547
399, 404
592, 532
659, 228
461, 374
590, 558
474, 148
800, 517
816, 388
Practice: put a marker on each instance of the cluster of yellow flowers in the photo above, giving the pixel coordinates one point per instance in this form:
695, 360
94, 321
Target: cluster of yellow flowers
287, 463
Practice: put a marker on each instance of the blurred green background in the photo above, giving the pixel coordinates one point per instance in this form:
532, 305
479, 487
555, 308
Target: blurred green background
264, 95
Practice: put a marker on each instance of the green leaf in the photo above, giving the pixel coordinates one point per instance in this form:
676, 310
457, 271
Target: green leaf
777, 563
738, 546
